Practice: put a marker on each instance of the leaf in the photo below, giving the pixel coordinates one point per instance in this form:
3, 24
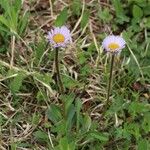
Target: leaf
45, 78
116, 106
24, 145
5, 29
105, 15
146, 122
69, 82
40, 136
121, 17
78, 109
54, 113
68, 99
133, 129
137, 12
41, 95
17, 5
6, 6
146, 10
35, 118
62, 18
86, 70
23, 23
70, 116
137, 108
143, 145
118, 7
101, 137
82, 58
39, 50
86, 123
4, 21
64, 144
85, 19
11, 13
76, 7
16, 83
59, 127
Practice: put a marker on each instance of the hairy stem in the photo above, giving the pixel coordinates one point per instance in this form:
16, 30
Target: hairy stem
60, 84
109, 83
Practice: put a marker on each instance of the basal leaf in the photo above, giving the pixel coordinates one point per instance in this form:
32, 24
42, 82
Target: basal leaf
62, 18
137, 12
85, 19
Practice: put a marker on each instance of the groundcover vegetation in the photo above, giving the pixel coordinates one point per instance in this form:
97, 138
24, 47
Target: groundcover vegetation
87, 96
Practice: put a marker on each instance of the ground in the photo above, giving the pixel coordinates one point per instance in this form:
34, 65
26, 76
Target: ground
34, 115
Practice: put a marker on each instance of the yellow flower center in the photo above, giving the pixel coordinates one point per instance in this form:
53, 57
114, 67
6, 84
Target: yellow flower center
113, 46
58, 38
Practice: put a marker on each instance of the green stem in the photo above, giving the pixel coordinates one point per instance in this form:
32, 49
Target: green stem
109, 83
60, 84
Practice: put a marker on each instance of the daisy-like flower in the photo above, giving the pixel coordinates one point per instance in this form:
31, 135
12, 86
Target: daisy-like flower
113, 44
59, 36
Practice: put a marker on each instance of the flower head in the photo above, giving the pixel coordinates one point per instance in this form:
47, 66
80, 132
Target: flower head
59, 36
113, 44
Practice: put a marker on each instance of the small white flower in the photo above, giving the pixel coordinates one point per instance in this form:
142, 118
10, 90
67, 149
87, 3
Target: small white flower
59, 36
113, 44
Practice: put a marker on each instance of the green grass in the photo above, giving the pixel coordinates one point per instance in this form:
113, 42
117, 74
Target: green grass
34, 116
